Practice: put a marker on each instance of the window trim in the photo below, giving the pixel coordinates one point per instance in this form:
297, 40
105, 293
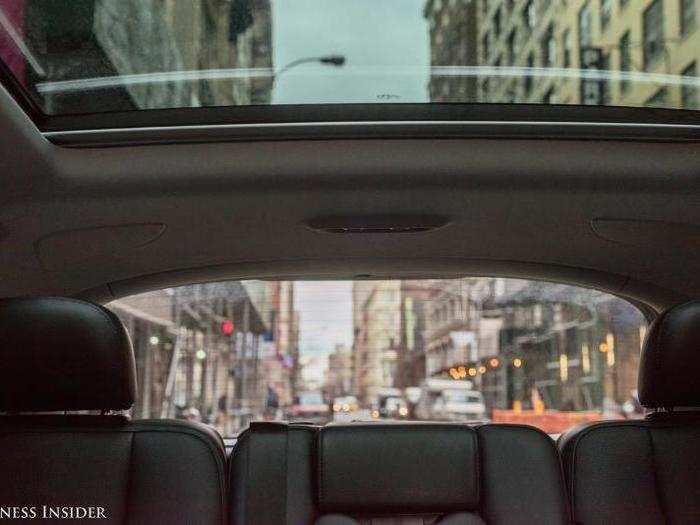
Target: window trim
399, 129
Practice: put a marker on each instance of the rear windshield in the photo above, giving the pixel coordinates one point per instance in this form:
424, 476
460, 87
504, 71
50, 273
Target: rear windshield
467, 350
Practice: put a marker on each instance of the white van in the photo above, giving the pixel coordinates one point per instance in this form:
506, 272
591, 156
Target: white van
450, 400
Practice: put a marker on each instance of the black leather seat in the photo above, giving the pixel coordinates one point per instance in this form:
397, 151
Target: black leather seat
67, 355
396, 473
271, 475
646, 471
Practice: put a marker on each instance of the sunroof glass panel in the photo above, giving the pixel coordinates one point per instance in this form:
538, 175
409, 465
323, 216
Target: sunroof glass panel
91, 56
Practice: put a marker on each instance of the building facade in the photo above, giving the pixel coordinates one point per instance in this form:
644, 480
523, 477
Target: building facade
523, 344
376, 344
629, 50
222, 353
576, 349
339, 377
412, 343
180, 37
596, 52
452, 321
361, 291
281, 344
453, 33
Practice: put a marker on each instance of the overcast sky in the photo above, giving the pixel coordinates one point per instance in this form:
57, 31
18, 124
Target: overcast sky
385, 43
325, 315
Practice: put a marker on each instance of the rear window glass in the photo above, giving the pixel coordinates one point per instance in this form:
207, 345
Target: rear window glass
467, 350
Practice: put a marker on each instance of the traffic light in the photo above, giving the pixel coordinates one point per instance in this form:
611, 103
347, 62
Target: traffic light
227, 327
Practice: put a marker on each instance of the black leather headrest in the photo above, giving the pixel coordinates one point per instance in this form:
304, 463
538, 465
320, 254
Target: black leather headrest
669, 370
62, 354
397, 468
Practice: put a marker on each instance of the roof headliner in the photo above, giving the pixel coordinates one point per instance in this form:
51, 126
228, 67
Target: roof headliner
518, 207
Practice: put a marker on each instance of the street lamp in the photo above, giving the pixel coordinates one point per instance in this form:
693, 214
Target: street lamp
329, 60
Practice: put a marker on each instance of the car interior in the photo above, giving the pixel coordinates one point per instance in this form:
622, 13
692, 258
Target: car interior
402, 262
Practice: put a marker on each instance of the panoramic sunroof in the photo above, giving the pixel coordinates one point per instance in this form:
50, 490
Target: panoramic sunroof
94, 56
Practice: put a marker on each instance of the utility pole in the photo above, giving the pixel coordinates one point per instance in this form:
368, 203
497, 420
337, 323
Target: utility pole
147, 375
136, 411
256, 358
216, 358
228, 363
166, 407
243, 402
189, 370
204, 378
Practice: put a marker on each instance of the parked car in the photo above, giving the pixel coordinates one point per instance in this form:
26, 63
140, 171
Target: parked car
310, 406
393, 407
345, 404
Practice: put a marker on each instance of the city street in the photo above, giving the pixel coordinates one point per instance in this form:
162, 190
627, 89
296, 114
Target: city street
466, 350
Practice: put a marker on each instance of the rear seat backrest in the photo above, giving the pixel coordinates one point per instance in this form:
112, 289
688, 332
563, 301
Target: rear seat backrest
645, 471
60, 355
372, 472
446, 472
271, 475
387, 469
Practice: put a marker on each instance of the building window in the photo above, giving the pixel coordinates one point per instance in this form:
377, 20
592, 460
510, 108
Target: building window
658, 99
510, 96
530, 15
625, 60
689, 93
485, 90
528, 77
511, 46
550, 97
605, 84
497, 23
549, 47
567, 48
537, 314
653, 29
584, 26
605, 13
687, 9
